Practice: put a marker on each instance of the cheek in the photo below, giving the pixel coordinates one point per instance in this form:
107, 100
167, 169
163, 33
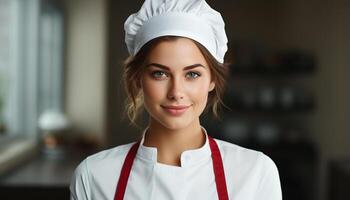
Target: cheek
152, 90
199, 92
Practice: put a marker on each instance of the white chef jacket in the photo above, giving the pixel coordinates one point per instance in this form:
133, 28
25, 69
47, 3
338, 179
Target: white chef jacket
250, 175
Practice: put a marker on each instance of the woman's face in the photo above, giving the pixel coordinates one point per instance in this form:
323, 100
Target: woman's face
176, 75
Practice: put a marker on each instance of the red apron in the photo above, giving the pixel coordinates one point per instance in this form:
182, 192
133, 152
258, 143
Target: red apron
217, 164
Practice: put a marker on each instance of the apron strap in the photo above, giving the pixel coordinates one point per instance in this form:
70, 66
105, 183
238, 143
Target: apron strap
218, 170
217, 165
125, 172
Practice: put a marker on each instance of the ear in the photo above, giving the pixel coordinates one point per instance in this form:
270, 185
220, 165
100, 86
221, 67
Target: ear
211, 86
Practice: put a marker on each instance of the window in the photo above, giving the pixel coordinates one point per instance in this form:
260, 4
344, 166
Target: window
31, 63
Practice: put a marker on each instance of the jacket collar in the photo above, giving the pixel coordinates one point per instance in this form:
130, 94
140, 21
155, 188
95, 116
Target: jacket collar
188, 157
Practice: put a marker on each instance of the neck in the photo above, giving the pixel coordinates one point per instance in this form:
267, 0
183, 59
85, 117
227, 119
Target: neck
170, 143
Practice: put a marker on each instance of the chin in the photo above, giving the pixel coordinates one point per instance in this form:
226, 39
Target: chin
175, 124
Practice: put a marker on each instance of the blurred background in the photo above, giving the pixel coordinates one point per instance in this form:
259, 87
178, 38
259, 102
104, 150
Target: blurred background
61, 95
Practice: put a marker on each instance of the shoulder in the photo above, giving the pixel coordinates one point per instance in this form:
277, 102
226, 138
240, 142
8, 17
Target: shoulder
97, 169
111, 158
257, 169
115, 153
238, 155
229, 150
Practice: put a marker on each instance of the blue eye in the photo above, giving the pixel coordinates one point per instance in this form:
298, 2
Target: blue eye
193, 74
157, 74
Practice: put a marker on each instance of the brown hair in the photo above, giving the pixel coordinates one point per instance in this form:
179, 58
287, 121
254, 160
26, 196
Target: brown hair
134, 67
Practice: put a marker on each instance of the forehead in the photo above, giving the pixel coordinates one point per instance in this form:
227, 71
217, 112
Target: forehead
176, 53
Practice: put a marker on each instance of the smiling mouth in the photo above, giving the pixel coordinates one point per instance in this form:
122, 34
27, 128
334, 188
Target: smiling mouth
176, 110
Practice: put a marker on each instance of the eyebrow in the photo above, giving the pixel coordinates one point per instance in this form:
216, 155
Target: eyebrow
167, 68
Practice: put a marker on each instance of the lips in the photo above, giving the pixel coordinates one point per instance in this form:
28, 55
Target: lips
176, 110
176, 107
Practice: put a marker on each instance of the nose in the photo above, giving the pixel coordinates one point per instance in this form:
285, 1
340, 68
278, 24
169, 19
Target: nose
176, 89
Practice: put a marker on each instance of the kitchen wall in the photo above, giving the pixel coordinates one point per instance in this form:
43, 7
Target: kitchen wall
85, 77
323, 27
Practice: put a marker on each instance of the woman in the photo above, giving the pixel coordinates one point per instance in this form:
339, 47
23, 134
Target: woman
176, 71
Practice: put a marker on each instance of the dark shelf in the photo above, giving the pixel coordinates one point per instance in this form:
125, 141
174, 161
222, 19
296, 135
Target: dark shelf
276, 111
268, 95
269, 73
282, 63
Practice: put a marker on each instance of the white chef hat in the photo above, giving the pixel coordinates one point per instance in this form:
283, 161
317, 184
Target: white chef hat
193, 19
